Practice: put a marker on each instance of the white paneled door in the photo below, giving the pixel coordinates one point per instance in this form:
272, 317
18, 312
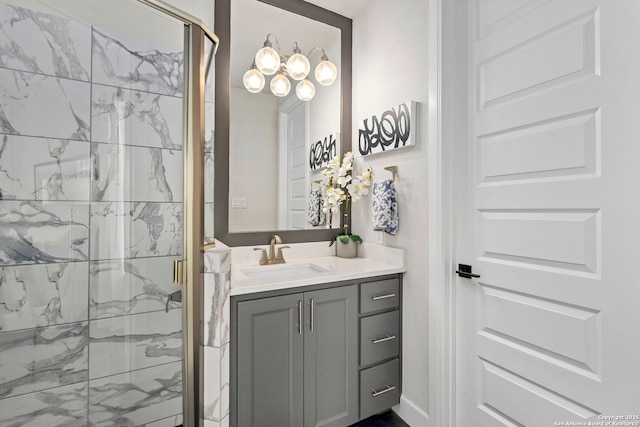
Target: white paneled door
550, 331
292, 212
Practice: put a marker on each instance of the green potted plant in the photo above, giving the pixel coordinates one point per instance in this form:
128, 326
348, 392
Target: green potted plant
340, 189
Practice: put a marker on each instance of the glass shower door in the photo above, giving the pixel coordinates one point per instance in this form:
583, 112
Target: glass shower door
91, 214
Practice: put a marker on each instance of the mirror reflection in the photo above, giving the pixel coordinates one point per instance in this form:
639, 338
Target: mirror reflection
279, 143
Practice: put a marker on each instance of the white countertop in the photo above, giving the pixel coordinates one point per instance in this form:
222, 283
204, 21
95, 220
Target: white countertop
373, 260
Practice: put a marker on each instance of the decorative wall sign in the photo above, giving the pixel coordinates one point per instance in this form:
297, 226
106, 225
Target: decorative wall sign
322, 151
391, 130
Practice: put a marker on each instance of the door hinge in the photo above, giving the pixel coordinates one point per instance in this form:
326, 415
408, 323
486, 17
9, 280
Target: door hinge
179, 272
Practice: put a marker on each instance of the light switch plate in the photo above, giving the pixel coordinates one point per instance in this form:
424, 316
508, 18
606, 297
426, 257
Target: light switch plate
378, 237
238, 203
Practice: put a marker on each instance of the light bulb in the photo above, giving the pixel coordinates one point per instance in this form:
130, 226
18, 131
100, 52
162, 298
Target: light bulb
326, 72
280, 85
298, 66
253, 80
305, 90
267, 60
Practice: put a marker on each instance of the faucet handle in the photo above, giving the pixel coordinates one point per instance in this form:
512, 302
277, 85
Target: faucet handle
280, 256
264, 259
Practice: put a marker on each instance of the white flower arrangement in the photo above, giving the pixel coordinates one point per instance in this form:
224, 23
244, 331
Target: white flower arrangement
341, 187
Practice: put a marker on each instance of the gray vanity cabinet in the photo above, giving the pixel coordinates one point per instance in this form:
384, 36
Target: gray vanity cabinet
270, 359
297, 359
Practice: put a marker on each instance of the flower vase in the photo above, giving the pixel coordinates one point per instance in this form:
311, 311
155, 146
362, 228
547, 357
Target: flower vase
346, 250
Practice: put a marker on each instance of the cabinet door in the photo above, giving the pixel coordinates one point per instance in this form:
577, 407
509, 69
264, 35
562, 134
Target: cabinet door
270, 357
331, 357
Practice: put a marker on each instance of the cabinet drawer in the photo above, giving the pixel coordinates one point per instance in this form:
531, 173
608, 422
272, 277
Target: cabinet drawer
379, 295
379, 337
379, 388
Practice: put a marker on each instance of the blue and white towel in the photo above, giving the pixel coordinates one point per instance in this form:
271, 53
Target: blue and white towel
385, 207
315, 215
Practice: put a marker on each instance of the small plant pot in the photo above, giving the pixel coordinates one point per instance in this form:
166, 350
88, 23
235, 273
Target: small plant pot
346, 250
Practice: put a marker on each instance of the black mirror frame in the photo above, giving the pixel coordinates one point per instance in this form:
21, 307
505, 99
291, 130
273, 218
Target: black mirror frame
222, 29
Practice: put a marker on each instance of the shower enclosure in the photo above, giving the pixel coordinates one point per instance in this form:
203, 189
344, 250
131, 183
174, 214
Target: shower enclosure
105, 127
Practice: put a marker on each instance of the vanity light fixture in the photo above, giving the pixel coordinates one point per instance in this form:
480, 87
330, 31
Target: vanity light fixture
269, 61
280, 85
253, 79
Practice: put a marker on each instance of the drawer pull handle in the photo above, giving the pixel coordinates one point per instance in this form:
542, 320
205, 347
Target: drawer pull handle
376, 393
379, 297
300, 321
387, 338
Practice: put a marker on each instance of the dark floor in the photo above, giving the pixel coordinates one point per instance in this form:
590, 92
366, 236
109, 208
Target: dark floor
388, 419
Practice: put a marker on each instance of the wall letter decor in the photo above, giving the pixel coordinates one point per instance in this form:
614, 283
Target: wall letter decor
393, 129
322, 151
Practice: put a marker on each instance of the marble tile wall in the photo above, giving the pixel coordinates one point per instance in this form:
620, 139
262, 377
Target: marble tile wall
216, 339
90, 224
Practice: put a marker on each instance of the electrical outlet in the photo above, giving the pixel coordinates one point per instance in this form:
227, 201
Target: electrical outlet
378, 237
238, 203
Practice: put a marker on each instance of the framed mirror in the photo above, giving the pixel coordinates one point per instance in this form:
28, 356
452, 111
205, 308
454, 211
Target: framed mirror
262, 182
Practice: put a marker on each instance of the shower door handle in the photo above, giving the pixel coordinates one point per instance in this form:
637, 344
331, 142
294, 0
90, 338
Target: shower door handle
178, 272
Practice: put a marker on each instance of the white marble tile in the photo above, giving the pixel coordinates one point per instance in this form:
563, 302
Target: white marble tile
173, 421
125, 173
36, 232
225, 309
40, 43
224, 422
131, 230
208, 177
210, 301
39, 359
209, 127
136, 398
209, 423
16, 362
211, 260
127, 60
43, 295
224, 381
38, 105
218, 260
225, 262
61, 355
216, 300
58, 407
43, 169
130, 117
209, 232
211, 408
147, 340
130, 286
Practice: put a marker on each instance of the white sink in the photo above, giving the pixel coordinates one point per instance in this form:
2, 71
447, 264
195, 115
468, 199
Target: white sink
278, 271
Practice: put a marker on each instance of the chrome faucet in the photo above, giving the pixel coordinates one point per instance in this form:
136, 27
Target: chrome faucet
272, 258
